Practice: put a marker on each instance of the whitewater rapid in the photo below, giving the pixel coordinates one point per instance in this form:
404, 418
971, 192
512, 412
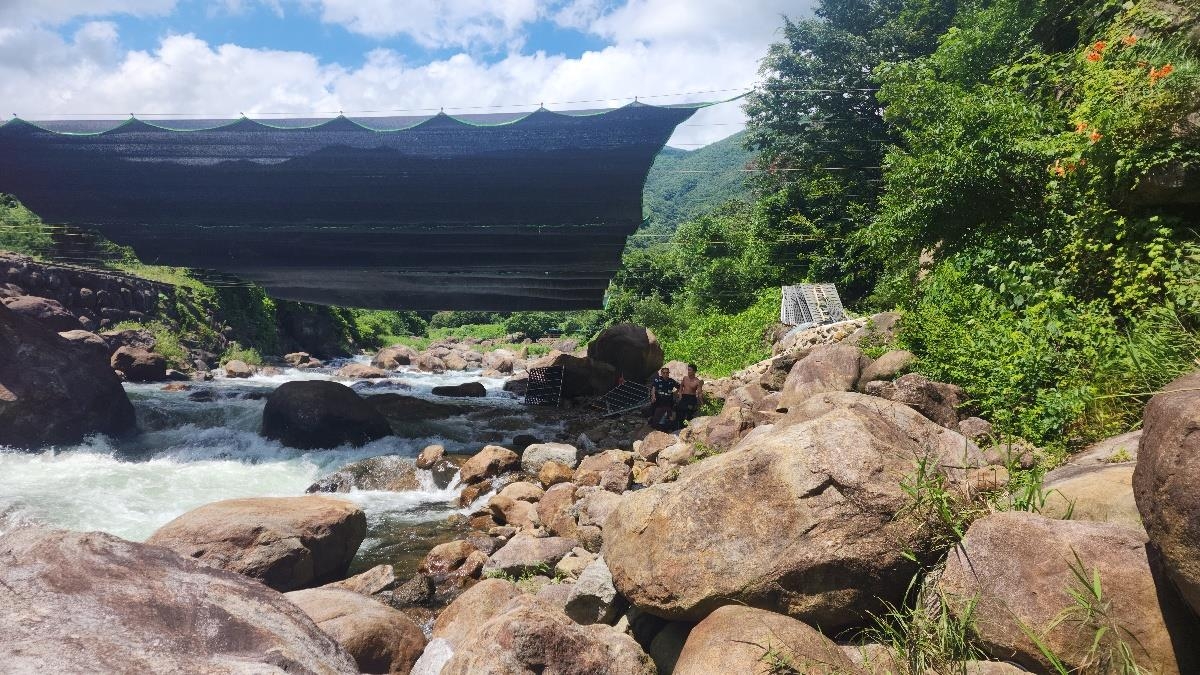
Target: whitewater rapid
190, 453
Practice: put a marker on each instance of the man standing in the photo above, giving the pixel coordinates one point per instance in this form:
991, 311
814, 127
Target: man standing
662, 400
690, 392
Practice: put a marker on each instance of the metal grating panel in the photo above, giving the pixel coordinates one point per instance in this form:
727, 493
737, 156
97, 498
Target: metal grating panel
545, 386
625, 397
811, 303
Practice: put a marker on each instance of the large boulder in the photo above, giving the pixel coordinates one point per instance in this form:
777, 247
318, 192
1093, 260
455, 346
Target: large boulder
632, 350
139, 365
49, 313
1166, 479
828, 368
807, 519
1021, 574
489, 462
1103, 493
526, 554
537, 454
285, 542
736, 639
320, 414
886, 367
582, 376
381, 639
87, 602
388, 473
361, 371
391, 358
463, 389
530, 636
936, 400
53, 391
398, 408
239, 369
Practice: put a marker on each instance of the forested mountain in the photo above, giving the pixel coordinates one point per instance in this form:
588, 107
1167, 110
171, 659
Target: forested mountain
683, 184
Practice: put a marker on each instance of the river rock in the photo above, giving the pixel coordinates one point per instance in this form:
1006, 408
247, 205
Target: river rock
462, 390
87, 340
582, 376
516, 513
529, 635
139, 365
1166, 479
381, 639
239, 369
399, 408
609, 470
595, 505
87, 602
809, 519
826, 368
592, 598
489, 462
524, 554
285, 542
538, 454
53, 391
736, 639
632, 350
1099, 493
49, 313
975, 428
320, 414
500, 360
886, 367
300, 360
387, 473
553, 473
430, 455
472, 609
391, 358
555, 509
375, 580
361, 371
936, 400
1017, 567
430, 363
450, 559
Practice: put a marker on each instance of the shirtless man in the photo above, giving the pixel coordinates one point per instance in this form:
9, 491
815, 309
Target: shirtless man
691, 389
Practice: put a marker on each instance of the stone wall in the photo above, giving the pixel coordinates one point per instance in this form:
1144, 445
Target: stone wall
98, 299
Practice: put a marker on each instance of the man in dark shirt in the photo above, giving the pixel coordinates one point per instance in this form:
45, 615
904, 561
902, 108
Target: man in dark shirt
662, 400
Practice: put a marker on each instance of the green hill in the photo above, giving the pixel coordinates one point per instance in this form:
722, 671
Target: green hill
685, 183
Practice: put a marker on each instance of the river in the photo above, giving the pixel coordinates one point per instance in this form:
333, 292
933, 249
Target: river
191, 452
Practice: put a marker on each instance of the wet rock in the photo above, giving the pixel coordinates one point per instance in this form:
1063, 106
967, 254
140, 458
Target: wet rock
361, 371
1166, 479
388, 473
530, 636
1016, 569
522, 441
399, 408
391, 358
320, 414
582, 376
444, 471
53, 391
285, 542
735, 639
430, 455
116, 606
48, 313
381, 639
526, 554
453, 559
632, 350
430, 363
809, 519
536, 455
300, 360
463, 390
239, 369
593, 599
139, 365
489, 462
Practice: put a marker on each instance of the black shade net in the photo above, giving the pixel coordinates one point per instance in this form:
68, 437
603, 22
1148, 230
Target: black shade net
500, 213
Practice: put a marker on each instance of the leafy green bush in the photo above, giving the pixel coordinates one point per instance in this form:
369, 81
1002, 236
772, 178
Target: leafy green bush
533, 325
375, 328
461, 318
236, 352
722, 343
166, 341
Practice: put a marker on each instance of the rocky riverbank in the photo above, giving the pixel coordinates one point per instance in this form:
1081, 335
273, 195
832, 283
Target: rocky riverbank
838, 514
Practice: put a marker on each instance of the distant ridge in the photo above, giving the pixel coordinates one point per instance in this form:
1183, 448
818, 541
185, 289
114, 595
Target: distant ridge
672, 196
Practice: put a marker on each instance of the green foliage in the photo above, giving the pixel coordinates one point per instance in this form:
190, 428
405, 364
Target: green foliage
533, 325
717, 343
375, 328
166, 341
682, 185
236, 352
21, 231
460, 318
929, 634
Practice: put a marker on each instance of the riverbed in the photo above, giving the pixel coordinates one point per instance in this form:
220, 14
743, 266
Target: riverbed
201, 445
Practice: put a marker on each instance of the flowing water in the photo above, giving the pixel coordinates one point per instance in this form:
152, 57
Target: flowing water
191, 452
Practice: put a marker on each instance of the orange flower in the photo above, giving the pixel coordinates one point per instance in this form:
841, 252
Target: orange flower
1157, 74
1129, 40
1081, 127
1100, 46
1059, 170
1093, 56
1095, 136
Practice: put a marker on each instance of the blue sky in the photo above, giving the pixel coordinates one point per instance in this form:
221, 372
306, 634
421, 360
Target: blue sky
222, 57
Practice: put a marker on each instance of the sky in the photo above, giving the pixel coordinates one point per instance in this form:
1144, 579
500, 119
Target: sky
272, 58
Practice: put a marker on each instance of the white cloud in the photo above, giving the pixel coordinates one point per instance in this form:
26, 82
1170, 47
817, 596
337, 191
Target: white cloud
436, 23
43, 74
53, 12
